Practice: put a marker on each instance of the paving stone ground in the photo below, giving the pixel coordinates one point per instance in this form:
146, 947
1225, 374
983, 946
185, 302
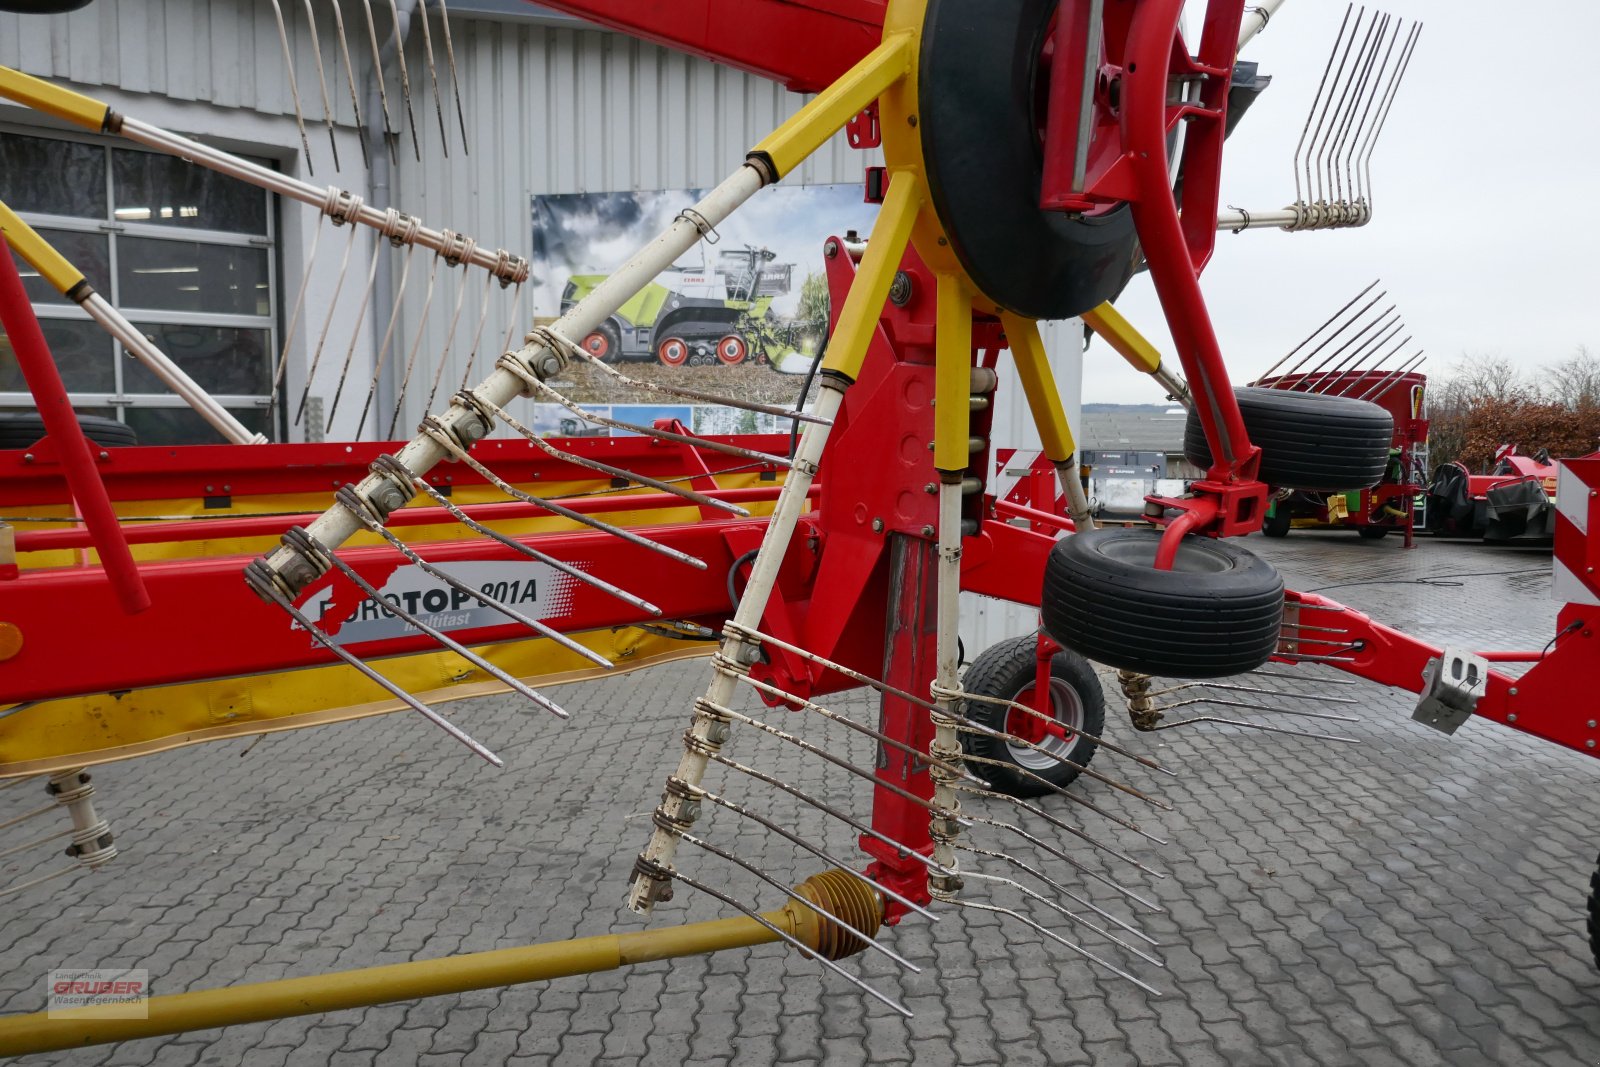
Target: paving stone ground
1415, 899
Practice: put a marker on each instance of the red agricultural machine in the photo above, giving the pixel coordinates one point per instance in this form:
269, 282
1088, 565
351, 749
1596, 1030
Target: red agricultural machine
308, 583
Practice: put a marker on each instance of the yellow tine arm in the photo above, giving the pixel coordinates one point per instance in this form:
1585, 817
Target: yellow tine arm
53, 100
1132, 346
38, 254
953, 378
809, 129
859, 316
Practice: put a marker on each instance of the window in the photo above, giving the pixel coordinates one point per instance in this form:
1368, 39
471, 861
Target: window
188, 256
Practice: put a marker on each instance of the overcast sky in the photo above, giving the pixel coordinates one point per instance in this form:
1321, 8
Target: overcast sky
1487, 225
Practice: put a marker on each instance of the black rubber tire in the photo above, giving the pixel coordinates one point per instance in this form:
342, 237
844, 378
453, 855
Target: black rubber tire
26, 428
1279, 522
979, 64
1373, 533
610, 338
43, 7
1217, 612
1594, 915
1005, 670
1307, 440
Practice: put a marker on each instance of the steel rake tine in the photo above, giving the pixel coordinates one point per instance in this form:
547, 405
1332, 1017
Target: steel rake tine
262, 581
1231, 688
1076, 864
294, 87
1067, 913
869, 942
1059, 824
807, 952
294, 318
1369, 56
707, 443
757, 636
816, 850
322, 79
1344, 97
350, 80
297, 538
1246, 705
355, 332
432, 429
347, 498
1313, 153
1378, 78
322, 339
1314, 333
405, 80
1391, 380
1370, 144
695, 394
449, 343
1065, 793
433, 77
967, 725
723, 665
1033, 872
1247, 725
717, 710
455, 82
477, 334
1300, 678
416, 346
616, 472
1046, 931
390, 135
1358, 353
532, 553
384, 348
1353, 339
1306, 129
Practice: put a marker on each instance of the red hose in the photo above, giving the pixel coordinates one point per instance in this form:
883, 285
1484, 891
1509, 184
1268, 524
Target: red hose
61, 425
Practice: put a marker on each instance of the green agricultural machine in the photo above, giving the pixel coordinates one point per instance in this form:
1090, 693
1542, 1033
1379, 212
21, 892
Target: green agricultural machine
695, 316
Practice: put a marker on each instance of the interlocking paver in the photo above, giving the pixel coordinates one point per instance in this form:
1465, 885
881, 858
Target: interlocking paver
1413, 899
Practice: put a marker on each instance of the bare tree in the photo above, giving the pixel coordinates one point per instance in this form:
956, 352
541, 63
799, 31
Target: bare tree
1575, 381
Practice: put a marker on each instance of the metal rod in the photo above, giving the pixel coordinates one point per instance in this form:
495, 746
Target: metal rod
449, 343
1086, 102
1306, 129
294, 88
294, 317
405, 80
322, 80
1059, 824
1067, 913
416, 346
433, 78
389, 133
1071, 861
455, 82
383, 347
327, 323
350, 80
1314, 333
1076, 898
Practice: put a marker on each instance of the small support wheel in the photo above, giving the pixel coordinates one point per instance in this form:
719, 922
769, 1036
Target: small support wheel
1278, 523
1217, 612
1307, 440
1594, 915
1009, 671
673, 351
1373, 533
732, 350
603, 343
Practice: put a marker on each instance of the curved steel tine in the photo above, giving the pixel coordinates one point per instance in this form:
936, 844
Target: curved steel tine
720, 663
695, 394
806, 746
809, 953
1046, 931
433, 77
1258, 673
707, 443
416, 346
1067, 913
384, 347
1062, 791
361, 313
1245, 724
1336, 334
1306, 129
616, 472
533, 553
1347, 96
753, 634
448, 443
449, 341
294, 86
1370, 145
967, 725
1315, 333
1318, 143
405, 80
1076, 898
477, 334
816, 850
1046, 847
1065, 827
309, 544
322, 80
455, 81
870, 942
390, 134
1378, 79
266, 587
1231, 688
333, 304
1247, 706
294, 317
350, 79
352, 503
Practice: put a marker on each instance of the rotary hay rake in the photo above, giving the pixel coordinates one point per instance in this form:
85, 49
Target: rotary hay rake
857, 559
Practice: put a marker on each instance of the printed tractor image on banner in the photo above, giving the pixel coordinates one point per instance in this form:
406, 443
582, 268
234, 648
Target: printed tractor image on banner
752, 291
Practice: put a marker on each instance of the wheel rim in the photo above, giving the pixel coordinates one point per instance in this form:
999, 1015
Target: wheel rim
674, 352
1195, 555
731, 350
1067, 708
597, 344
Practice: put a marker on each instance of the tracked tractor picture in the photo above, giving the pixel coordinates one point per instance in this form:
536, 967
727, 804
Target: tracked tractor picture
693, 316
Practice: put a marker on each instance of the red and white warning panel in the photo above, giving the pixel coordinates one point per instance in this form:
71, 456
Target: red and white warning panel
1575, 579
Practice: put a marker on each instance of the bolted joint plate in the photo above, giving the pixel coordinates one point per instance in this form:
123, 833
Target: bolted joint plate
1452, 686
